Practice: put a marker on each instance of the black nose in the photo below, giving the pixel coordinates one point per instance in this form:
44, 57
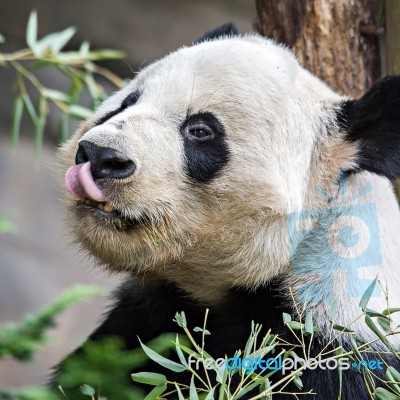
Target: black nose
104, 162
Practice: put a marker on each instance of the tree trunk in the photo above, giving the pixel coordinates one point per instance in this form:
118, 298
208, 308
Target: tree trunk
326, 37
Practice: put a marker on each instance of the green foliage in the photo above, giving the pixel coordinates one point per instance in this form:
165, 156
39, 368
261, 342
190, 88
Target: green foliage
6, 225
100, 371
102, 367
22, 340
79, 67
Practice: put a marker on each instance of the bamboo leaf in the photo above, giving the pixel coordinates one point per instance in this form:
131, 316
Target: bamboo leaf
383, 394
30, 109
392, 382
64, 128
381, 336
198, 329
56, 95
178, 389
192, 391
156, 392
389, 311
342, 328
79, 111
31, 30
150, 378
367, 295
87, 390
182, 358
40, 125
286, 317
308, 324
210, 395
165, 362
84, 49
18, 109
54, 42
384, 323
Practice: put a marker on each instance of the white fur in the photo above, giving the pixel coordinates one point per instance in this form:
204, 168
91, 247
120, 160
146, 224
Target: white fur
284, 145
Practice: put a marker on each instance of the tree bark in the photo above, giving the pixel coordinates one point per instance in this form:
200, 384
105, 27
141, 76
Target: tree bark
326, 37
393, 35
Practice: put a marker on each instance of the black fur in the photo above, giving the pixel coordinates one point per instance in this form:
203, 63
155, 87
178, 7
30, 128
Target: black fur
208, 154
374, 123
127, 102
148, 311
228, 29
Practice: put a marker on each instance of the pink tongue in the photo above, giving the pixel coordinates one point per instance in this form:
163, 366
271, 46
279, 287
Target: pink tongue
79, 182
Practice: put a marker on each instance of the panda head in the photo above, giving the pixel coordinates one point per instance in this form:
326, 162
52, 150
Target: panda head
188, 172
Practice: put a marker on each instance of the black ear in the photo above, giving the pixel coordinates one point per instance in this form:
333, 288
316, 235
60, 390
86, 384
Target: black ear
373, 123
223, 30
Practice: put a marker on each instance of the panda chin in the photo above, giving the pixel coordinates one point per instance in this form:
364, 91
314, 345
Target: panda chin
110, 214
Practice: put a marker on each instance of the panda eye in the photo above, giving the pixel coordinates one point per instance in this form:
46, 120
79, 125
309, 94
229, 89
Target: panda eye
200, 133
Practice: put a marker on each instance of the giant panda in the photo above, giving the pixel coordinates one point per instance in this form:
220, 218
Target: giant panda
219, 178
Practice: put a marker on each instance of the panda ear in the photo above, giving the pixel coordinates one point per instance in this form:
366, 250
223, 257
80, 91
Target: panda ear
373, 124
228, 29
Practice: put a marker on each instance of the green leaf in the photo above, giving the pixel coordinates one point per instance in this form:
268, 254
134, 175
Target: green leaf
105, 54
308, 324
382, 337
389, 311
298, 382
392, 382
150, 378
198, 329
178, 389
31, 30
87, 390
192, 391
295, 325
40, 125
342, 328
84, 49
383, 394
180, 319
356, 350
373, 313
18, 109
367, 295
396, 374
210, 395
165, 362
80, 112
182, 358
54, 42
56, 95
384, 323
30, 109
286, 317
2, 38
156, 392
338, 352
64, 128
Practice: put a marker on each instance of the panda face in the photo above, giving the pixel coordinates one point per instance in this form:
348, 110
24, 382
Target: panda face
194, 164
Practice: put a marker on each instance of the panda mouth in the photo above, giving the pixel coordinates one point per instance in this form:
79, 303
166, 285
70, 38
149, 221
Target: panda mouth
105, 209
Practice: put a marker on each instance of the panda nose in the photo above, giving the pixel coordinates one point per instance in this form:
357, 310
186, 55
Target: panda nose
104, 162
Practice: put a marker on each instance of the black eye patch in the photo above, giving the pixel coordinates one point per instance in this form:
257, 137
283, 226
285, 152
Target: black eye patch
205, 147
130, 100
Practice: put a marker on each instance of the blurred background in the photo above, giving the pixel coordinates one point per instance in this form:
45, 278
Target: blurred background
37, 261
